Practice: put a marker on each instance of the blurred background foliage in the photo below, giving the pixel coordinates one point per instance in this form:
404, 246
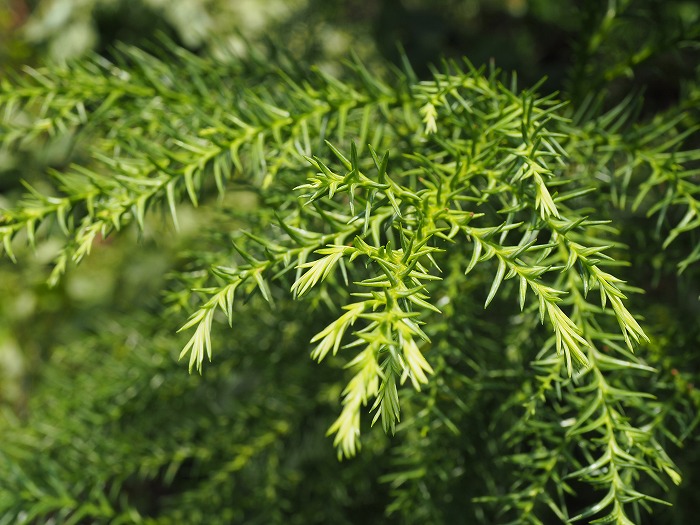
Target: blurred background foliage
91, 393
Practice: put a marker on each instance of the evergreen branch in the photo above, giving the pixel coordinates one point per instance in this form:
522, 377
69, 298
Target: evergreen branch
469, 158
647, 166
569, 340
607, 415
158, 174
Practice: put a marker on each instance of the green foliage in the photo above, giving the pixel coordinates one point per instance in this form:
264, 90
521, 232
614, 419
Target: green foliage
452, 249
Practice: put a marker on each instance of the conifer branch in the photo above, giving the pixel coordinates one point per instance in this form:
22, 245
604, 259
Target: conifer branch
383, 192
